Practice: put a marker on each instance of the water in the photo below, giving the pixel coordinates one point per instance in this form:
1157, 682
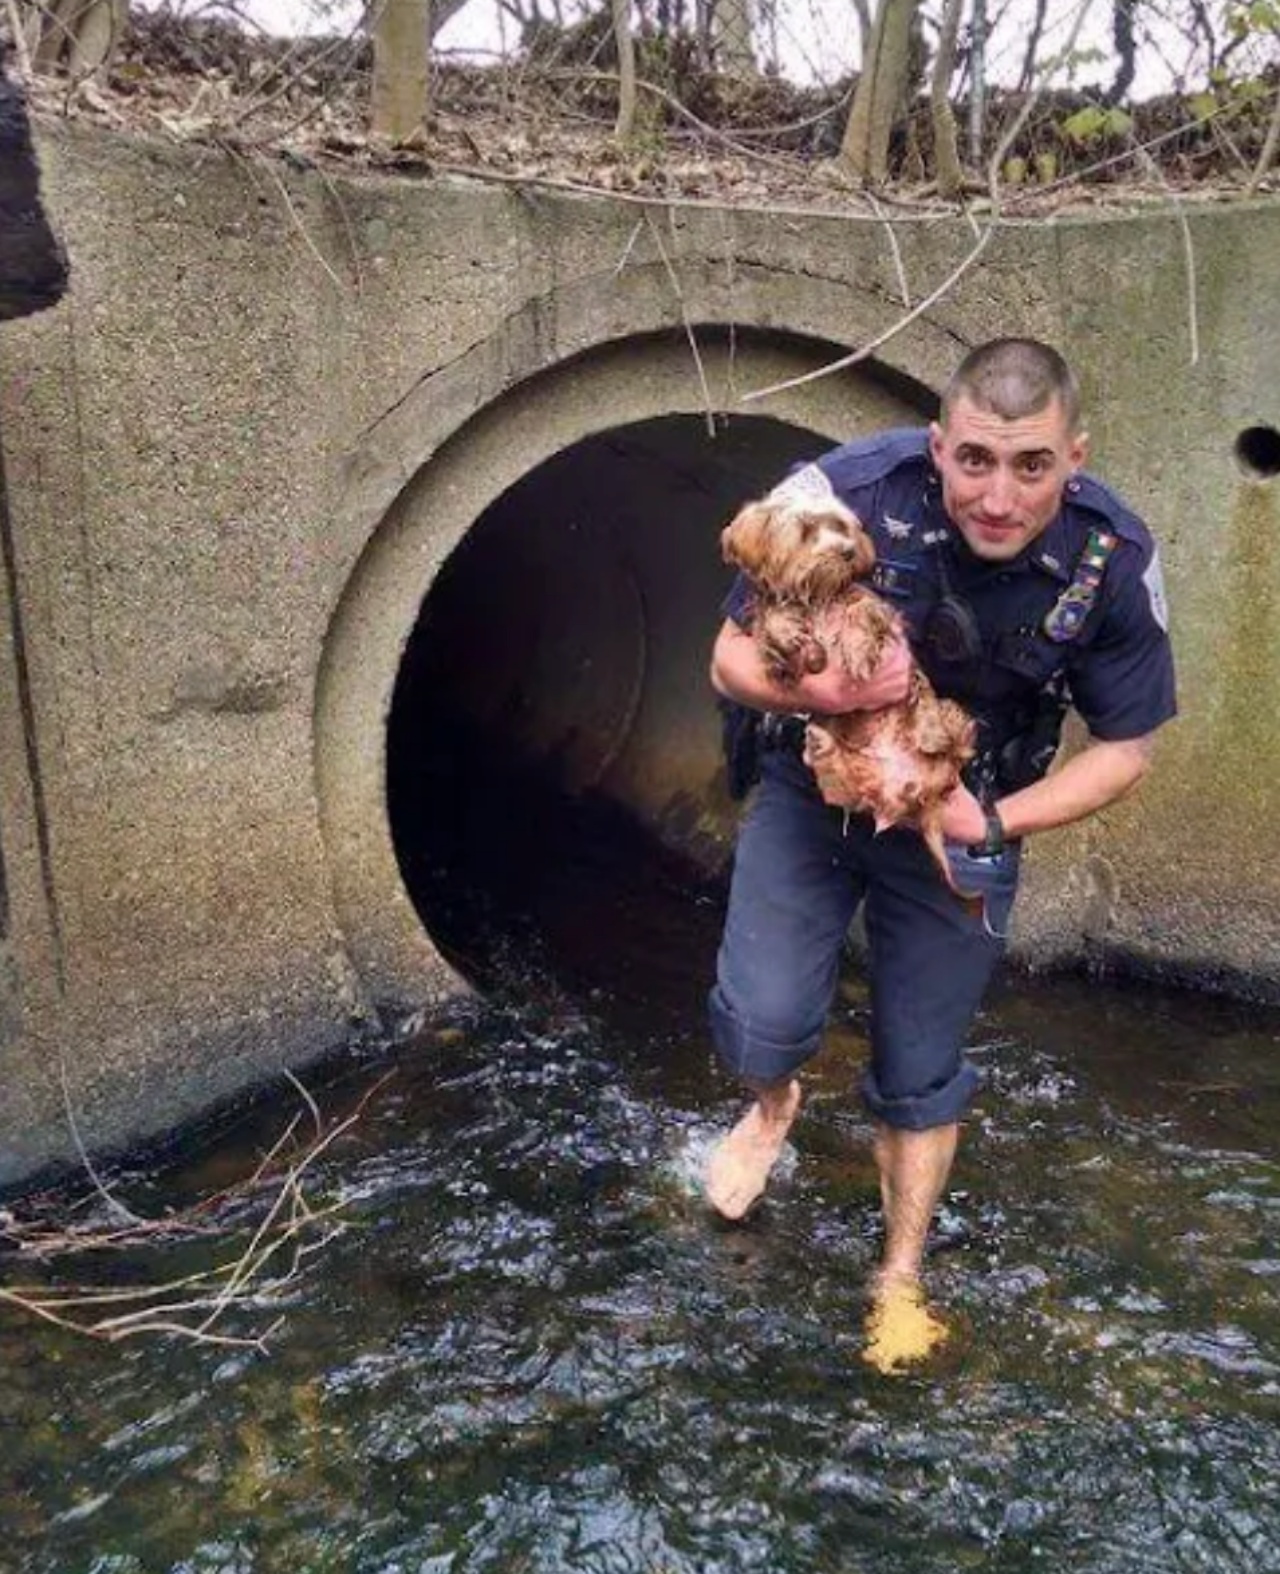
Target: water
531, 1349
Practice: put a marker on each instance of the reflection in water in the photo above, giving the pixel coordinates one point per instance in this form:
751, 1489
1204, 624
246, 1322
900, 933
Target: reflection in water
534, 1350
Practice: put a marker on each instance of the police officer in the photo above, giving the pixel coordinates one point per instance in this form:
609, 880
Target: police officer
1025, 585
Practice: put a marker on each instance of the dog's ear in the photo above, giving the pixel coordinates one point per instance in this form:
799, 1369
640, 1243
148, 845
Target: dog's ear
742, 541
864, 549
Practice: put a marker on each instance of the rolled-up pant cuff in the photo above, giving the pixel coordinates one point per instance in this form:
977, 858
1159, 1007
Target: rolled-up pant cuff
752, 1055
940, 1106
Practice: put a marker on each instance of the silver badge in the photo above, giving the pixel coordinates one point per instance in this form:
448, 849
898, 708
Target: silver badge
898, 529
1153, 579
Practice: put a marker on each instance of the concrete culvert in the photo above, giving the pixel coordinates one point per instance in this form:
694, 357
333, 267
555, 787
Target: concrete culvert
553, 743
513, 687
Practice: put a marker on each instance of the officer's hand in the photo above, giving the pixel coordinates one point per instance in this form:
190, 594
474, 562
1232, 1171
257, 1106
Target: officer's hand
963, 819
832, 691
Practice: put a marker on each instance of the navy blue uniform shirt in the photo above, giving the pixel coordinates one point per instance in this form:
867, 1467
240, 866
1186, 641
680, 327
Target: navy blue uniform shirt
1118, 668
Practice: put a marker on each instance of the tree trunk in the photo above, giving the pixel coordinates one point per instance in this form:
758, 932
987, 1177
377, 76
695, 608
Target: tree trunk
731, 42
1122, 36
626, 122
401, 58
880, 94
977, 82
79, 36
946, 152
1032, 52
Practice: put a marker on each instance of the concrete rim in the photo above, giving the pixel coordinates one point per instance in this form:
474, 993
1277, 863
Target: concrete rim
626, 381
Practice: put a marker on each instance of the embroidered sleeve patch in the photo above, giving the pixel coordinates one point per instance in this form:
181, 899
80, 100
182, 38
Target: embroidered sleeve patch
808, 485
1153, 579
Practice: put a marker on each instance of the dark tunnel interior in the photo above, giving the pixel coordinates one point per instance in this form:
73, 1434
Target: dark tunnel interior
555, 787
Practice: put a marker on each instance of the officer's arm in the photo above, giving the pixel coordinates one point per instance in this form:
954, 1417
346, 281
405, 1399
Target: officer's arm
1101, 774
738, 673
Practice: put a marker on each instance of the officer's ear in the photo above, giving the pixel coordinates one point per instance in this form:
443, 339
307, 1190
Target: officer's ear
1078, 453
935, 441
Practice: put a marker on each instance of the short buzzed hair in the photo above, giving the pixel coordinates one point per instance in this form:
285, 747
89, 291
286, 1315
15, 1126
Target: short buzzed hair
1013, 378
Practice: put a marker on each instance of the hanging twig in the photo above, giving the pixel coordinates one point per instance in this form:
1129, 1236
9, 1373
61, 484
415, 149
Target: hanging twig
980, 245
891, 332
629, 247
293, 214
1189, 253
895, 249
688, 325
99, 1185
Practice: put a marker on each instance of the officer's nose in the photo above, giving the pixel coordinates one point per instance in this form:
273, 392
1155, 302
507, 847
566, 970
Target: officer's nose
1001, 494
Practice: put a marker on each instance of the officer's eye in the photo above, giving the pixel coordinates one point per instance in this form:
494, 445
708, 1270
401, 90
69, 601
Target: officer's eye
973, 460
1035, 466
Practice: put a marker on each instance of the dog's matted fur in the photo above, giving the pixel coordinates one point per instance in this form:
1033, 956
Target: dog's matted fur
808, 559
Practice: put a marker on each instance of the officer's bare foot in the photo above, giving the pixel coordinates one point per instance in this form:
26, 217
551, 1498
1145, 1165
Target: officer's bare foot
739, 1166
901, 1328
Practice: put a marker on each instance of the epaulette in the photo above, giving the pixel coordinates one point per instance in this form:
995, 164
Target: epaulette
867, 460
1086, 492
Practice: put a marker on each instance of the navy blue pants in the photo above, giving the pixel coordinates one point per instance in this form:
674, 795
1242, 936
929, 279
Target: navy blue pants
800, 872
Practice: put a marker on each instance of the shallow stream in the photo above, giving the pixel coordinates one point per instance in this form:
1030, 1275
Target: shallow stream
529, 1348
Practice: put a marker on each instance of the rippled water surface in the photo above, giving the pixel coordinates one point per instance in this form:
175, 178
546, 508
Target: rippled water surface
530, 1348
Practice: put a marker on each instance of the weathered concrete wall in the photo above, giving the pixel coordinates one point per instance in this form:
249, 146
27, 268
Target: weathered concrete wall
240, 449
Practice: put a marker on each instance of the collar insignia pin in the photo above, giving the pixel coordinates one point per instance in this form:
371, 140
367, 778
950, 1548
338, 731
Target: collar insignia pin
898, 529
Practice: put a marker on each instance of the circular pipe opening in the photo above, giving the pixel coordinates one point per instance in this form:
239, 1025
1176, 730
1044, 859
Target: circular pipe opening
1257, 452
553, 755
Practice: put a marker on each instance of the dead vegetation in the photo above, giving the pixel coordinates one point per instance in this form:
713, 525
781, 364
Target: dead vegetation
261, 1230
548, 116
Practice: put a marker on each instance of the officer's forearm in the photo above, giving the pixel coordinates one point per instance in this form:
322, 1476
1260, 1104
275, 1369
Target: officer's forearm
738, 673
1099, 775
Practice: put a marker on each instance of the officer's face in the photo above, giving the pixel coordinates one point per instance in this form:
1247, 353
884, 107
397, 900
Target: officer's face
1002, 480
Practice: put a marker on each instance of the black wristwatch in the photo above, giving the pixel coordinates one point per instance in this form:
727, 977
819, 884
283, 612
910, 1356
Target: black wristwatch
992, 844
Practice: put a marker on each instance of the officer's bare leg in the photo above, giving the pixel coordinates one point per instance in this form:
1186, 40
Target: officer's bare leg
739, 1166
913, 1166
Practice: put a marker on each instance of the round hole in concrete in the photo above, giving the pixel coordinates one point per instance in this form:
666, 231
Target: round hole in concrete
553, 754
1257, 452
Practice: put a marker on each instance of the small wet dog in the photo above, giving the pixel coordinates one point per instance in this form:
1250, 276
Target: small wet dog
808, 559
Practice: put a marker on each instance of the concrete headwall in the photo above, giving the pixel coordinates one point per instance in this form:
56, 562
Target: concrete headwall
271, 405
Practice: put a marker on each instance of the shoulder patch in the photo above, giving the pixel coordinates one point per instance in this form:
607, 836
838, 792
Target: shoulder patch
809, 484
1153, 579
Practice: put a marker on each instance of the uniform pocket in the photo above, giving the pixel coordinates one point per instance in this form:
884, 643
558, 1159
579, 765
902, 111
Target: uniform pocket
995, 880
